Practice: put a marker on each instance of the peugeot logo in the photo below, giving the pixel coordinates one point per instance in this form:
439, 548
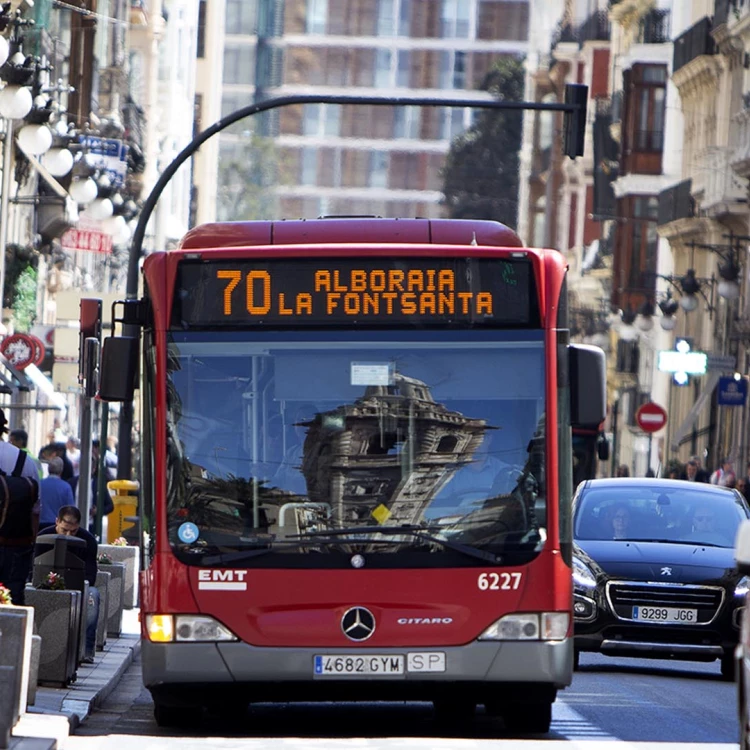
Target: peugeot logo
666, 571
358, 624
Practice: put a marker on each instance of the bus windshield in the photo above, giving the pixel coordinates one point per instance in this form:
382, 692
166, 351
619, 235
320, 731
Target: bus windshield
414, 447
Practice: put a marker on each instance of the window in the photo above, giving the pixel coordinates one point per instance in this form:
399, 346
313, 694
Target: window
453, 123
379, 169
383, 68
201, 44
452, 70
386, 24
403, 71
321, 119
309, 166
239, 65
317, 13
454, 19
406, 122
649, 98
404, 19
241, 17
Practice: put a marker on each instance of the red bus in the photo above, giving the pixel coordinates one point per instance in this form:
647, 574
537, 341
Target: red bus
356, 466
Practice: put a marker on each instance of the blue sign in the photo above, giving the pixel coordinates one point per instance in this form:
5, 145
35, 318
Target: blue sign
108, 155
188, 533
732, 392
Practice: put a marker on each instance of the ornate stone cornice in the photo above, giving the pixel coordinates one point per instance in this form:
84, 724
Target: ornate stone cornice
702, 72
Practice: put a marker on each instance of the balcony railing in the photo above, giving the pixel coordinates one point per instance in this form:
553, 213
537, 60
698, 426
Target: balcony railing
654, 27
715, 181
694, 42
675, 203
595, 27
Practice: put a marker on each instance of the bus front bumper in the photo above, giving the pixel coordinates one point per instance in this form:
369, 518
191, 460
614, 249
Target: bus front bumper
269, 674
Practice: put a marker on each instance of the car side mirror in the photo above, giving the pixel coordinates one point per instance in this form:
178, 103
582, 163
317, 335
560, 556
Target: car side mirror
742, 548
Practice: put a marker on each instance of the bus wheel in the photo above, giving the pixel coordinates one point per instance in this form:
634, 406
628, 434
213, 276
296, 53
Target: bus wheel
175, 716
528, 718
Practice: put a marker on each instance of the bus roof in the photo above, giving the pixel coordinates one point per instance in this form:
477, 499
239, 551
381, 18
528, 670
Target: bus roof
350, 229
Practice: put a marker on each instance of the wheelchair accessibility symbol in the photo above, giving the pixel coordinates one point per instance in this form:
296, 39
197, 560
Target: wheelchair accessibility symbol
188, 533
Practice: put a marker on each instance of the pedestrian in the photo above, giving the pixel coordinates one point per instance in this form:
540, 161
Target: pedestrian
702, 475
19, 511
623, 471
73, 451
55, 492
68, 523
742, 486
691, 471
20, 438
724, 476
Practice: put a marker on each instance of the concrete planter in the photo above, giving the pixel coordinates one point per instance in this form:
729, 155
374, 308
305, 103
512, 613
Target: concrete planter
36, 650
103, 583
128, 556
115, 594
16, 630
57, 615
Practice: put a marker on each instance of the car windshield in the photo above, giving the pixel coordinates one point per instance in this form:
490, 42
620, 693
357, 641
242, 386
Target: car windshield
274, 443
678, 512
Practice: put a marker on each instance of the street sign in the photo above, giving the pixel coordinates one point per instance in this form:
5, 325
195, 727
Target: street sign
721, 362
19, 350
731, 392
651, 417
692, 363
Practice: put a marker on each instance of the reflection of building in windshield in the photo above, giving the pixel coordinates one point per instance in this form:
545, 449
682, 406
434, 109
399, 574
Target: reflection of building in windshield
384, 457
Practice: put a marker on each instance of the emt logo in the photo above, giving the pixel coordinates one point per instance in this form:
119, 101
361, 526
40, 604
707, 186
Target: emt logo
222, 580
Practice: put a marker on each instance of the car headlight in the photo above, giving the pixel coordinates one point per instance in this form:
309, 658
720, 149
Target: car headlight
743, 586
582, 575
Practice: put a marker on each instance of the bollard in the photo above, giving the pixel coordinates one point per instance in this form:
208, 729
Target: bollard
125, 502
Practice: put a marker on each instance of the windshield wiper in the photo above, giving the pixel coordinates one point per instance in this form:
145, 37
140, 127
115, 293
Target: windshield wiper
692, 543
418, 532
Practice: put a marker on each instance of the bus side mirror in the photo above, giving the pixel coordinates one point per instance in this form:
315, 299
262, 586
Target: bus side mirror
119, 368
742, 548
588, 385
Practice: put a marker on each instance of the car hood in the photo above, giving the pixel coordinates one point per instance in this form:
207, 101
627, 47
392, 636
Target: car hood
659, 561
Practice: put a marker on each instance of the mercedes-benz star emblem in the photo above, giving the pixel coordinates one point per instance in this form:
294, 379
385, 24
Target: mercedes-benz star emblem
357, 561
358, 624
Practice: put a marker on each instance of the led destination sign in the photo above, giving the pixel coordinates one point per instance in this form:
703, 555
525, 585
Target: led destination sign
369, 291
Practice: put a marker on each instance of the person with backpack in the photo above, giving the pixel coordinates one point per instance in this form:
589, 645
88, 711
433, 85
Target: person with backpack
19, 516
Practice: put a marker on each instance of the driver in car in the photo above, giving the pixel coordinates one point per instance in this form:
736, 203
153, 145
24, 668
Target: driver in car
704, 527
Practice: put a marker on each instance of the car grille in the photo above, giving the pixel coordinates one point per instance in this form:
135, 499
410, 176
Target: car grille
623, 596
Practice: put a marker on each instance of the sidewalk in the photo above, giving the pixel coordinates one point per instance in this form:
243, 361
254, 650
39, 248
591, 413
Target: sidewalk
58, 711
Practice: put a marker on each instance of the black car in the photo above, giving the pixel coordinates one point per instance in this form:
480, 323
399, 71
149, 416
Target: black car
654, 572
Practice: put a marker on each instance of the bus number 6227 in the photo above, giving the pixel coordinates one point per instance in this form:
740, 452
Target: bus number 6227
498, 581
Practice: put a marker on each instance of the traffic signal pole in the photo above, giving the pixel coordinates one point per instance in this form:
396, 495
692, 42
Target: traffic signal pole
574, 128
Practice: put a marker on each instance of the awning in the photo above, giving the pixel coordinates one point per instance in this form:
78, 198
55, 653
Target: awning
712, 381
43, 383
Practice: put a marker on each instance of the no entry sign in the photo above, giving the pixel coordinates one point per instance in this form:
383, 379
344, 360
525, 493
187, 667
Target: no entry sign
651, 417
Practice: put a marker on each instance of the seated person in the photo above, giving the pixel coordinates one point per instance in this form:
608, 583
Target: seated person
704, 527
619, 523
68, 523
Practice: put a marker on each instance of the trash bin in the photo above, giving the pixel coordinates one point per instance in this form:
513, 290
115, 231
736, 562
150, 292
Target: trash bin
126, 506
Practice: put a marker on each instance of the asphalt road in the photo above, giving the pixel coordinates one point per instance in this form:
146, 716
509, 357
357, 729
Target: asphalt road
618, 701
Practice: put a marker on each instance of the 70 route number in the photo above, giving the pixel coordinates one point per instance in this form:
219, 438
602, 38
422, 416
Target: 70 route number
498, 581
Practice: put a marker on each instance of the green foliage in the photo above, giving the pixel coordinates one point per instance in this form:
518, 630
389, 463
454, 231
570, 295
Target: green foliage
17, 259
247, 171
480, 178
24, 303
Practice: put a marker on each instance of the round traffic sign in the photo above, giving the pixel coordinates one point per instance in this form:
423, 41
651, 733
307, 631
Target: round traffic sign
651, 417
19, 350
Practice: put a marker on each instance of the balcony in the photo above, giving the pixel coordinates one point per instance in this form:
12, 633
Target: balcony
675, 203
694, 42
717, 188
595, 28
654, 27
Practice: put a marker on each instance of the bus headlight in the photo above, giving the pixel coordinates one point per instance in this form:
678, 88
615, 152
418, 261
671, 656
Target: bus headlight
547, 626
583, 578
186, 629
